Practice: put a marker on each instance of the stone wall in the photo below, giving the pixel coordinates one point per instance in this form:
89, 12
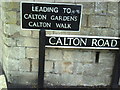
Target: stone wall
1, 41
67, 67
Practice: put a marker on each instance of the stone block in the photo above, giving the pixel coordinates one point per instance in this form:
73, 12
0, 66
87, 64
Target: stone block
101, 7
24, 78
68, 1
102, 32
88, 7
11, 29
107, 59
2, 16
20, 0
18, 20
4, 63
107, 55
85, 31
52, 79
14, 52
10, 17
68, 55
11, 64
10, 6
91, 69
35, 34
99, 21
84, 20
117, 33
3, 83
24, 65
35, 65
78, 56
32, 52
63, 79
44, 0
55, 54
25, 33
105, 71
114, 23
9, 41
28, 42
113, 8
78, 68
63, 67
102, 80
50, 32
48, 66
47, 50
71, 79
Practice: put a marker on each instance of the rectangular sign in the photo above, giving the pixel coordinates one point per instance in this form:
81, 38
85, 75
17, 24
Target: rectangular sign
50, 16
86, 42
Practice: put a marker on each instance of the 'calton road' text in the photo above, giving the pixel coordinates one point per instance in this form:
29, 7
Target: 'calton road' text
50, 16
82, 42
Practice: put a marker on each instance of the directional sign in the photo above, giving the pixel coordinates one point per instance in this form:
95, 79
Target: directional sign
86, 42
50, 16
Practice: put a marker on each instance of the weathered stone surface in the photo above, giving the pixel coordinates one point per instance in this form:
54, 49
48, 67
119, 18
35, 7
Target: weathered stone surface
71, 79
12, 64
107, 59
78, 56
113, 8
9, 41
91, 69
19, 0
107, 55
28, 42
85, 31
10, 6
14, 52
88, 7
100, 7
99, 21
55, 54
24, 78
52, 79
35, 34
71, 1
24, 65
78, 68
10, 17
48, 66
114, 23
3, 84
103, 80
32, 52
64, 79
47, 50
99, 32
25, 33
45, 0
35, 65
84, 20
11, 29
63, 67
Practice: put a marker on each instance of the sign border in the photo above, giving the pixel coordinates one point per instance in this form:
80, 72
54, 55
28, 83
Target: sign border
50, 3
98, 48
